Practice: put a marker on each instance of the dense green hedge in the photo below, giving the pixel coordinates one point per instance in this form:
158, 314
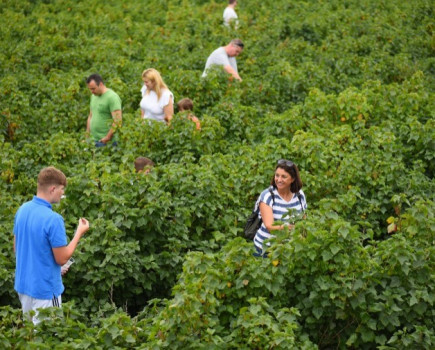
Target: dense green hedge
343, 88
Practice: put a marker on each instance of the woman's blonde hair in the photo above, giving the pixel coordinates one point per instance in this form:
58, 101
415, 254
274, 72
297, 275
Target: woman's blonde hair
155, 77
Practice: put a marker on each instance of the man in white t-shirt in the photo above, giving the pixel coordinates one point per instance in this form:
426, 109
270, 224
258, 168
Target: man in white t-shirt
230, 14
226, 56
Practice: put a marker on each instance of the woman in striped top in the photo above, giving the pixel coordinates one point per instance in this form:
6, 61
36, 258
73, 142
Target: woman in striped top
284, 193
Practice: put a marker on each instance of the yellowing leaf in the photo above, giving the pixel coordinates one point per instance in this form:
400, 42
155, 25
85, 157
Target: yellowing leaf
392, 228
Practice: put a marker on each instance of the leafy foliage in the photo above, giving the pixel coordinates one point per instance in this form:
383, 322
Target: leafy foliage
343, 88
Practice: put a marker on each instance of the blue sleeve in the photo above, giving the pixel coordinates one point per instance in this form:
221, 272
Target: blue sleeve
57, 234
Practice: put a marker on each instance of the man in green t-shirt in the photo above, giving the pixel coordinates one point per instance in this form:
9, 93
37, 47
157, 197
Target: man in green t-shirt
105, 114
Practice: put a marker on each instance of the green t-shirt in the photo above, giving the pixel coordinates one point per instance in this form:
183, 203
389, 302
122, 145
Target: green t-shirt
101, 109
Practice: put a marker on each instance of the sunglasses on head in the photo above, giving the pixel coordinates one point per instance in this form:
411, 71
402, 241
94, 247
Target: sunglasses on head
289, 163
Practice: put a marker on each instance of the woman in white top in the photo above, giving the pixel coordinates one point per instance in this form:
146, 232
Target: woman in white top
157, 101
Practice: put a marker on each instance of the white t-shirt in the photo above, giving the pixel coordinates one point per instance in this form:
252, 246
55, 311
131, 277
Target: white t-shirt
220, 57
229, 16
152, 107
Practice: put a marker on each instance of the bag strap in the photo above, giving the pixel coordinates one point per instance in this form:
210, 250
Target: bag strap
300, 201
273, 196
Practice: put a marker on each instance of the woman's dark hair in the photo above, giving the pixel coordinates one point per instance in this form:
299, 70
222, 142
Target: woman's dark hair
291, 168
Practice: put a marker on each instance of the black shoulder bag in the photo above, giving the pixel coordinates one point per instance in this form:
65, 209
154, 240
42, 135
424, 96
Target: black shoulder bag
254, 222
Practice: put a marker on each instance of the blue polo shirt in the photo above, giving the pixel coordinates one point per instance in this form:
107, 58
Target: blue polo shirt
38, 229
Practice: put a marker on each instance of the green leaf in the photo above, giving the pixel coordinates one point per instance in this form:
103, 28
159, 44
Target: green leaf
334, 249
371, 323
130, 339
351, 340
413, 300
318, 312
367, 335
326, 255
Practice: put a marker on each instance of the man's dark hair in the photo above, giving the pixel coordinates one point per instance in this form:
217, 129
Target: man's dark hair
230, 2
237, 42
95, 77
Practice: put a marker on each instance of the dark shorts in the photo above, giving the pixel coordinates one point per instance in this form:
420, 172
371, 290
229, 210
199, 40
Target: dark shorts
102, 144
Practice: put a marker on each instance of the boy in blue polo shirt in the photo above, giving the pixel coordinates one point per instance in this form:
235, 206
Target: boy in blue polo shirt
40, 245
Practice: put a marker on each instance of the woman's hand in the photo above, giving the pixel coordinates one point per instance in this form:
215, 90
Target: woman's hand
289, 226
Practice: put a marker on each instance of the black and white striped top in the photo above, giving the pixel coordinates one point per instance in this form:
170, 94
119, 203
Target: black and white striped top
280, 209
